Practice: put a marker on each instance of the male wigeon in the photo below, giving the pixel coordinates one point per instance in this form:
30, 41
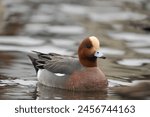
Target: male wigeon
71, 72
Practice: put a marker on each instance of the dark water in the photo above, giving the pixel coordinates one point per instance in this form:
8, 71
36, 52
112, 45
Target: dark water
123, 27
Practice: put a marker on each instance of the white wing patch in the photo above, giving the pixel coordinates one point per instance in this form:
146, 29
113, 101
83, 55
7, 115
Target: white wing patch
59, 74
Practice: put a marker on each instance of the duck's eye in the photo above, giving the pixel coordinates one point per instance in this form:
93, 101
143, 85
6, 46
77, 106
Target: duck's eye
88, 46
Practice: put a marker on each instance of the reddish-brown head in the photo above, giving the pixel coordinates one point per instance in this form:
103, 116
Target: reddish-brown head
88, 52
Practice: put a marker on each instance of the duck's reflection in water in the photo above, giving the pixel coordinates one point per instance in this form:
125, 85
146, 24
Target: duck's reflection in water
48, 93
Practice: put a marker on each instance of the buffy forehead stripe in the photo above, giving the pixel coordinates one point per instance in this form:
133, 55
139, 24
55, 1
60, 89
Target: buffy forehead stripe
94, 41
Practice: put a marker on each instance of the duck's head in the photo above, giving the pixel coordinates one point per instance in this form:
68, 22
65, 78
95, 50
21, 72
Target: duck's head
89, 51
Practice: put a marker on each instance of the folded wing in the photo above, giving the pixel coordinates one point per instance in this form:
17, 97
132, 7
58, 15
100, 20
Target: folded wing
55, 63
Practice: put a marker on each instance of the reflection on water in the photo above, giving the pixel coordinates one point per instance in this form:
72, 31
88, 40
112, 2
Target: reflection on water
138, 91
42, 29
111, 16
134, 62
59, 27
53, 93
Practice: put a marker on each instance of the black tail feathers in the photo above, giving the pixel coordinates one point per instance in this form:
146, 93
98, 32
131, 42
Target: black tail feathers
33, 60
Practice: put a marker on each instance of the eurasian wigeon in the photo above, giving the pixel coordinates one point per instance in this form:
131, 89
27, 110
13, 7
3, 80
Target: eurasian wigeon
71, 72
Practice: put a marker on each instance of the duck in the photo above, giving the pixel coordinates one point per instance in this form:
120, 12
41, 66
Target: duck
77, 72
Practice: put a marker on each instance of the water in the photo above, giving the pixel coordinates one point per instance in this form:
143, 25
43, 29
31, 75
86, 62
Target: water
59, 26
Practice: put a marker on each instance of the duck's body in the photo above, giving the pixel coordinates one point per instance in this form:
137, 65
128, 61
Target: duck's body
71, 72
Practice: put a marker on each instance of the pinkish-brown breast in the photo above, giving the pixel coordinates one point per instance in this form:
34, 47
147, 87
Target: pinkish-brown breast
89, 79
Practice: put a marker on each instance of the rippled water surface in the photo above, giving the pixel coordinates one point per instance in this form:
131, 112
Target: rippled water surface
123, 27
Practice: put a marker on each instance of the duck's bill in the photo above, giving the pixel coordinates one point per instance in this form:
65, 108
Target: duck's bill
99, 54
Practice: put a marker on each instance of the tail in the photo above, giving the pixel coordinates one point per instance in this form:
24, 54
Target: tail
33, 60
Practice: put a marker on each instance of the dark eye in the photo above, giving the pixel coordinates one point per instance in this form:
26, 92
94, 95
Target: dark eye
88, 46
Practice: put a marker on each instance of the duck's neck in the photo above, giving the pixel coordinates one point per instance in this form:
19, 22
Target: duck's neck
88, 62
